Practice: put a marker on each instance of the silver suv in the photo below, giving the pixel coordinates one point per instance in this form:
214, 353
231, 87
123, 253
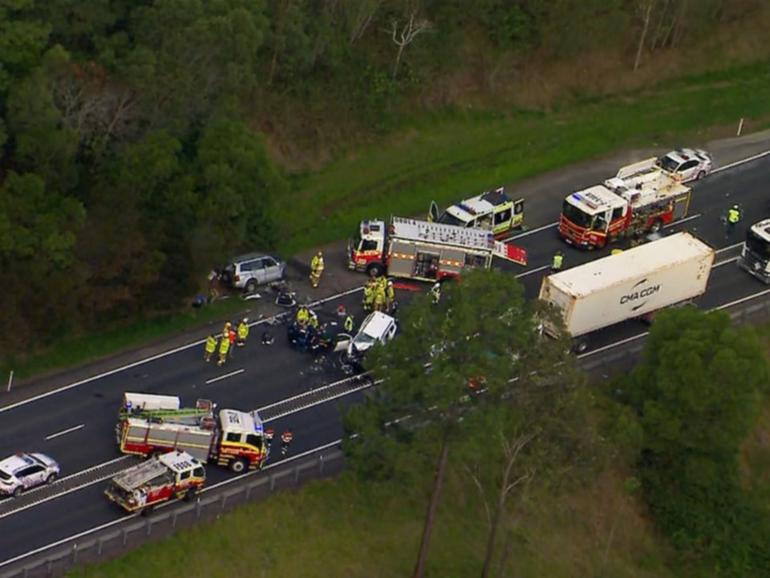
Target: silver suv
249, 271
24, 471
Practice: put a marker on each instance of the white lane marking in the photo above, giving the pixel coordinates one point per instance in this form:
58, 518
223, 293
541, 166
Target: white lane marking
532, 232
161, 355
71, 490
367, 384
225, 376
65, 432
725, 262
319, 302
532, 271
129, 517
680, 221
310, 392
742, 300
723, 249
740, 162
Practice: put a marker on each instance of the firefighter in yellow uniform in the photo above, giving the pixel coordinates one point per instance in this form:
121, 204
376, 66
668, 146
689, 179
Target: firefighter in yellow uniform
348, 325
390, 295
211, 347
316, 269
224, 349
380, 298
369, 295
243, 332
303, 315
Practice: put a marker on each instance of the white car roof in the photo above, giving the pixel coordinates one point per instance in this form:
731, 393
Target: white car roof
684, 154
16, 462
377, 324
762, 229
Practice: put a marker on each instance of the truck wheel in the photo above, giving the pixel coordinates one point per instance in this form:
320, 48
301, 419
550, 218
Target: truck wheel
656, 226
375, 268
190, 494
147, 510
238, 466
581, 346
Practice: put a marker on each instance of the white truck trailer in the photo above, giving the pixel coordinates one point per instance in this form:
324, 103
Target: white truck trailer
633, 284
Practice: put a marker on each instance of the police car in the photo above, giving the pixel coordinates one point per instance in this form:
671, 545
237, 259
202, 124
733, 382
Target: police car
23, 471
686, 164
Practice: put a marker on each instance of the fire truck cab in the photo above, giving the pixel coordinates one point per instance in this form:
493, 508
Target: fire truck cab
755, 253
174, 475
641, 199
492, 211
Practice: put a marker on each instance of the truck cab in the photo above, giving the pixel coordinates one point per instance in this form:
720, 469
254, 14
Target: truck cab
755, 253
591, 217
241, 442
366, 250
492, 211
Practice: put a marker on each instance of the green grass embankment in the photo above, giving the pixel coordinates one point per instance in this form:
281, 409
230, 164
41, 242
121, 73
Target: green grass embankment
445, 157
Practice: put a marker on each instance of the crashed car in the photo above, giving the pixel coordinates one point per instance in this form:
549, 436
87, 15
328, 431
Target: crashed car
324, 339
377, 328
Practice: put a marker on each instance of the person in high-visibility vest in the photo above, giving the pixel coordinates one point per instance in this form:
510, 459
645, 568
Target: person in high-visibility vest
224, 349
733, 218
316, 269
368, 301
390, 295
380, 298
435, 293
303, 315
558, 262
243, 332
211, 347
233, 337
348, 325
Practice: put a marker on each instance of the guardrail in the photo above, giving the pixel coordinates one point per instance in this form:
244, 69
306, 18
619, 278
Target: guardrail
119, 536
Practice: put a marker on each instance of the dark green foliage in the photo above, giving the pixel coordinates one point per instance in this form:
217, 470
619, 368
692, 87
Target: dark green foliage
143, 113
697, 395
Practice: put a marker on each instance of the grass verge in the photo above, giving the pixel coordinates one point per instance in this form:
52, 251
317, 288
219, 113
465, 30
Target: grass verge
447, 156
346, 529
70, 352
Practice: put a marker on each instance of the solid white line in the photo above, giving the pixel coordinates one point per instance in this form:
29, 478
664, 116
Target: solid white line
366, 385
70, 491
532, 271
532, 232
742, 300
740, 162
65, 432
65, 540
725, 262
680, 221
161, 355
129, 517
723, 249
311, 392
225, 376
612, 345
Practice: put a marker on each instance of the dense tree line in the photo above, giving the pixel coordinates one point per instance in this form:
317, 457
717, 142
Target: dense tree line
130, 152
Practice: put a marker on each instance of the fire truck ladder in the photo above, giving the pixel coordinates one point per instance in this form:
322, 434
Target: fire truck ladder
203, 408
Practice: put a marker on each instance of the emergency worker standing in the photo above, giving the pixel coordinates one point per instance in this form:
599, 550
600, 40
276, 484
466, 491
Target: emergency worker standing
558, 262
316, 269
286, 438
390, 294
368, 301
348, 325
243, 332
224, 349
733, 218
211, 347
435, 292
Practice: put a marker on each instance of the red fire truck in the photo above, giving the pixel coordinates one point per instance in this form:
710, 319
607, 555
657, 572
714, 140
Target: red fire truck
175, 475
641, 199
155, 424
424, 250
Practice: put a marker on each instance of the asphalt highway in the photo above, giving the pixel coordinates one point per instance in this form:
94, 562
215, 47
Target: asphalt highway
76, 425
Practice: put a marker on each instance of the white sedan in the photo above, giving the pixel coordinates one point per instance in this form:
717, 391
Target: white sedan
23, 471
686, 164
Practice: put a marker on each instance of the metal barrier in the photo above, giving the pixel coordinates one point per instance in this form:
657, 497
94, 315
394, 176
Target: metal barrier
128, 533
122, 535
